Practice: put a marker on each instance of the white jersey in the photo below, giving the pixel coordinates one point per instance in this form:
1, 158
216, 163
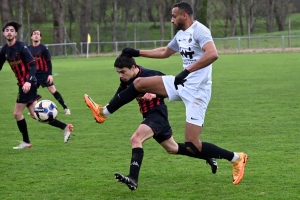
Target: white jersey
189, 44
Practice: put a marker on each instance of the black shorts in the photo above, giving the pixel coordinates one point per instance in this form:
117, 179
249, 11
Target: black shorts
157, 120
42, 77
28, 97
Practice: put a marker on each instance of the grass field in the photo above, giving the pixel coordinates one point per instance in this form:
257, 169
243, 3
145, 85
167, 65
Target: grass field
254, 108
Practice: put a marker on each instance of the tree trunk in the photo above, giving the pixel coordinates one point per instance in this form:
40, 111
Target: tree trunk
234, 12
241, 16
203, 13
269, 15
84, 24
161, 20
58, 25
20, 19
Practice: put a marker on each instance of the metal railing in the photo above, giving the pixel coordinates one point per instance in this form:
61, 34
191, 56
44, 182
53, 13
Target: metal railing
224, 45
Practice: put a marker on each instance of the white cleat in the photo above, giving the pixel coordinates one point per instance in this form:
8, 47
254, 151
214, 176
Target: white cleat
67, 132
67, 111
23, 145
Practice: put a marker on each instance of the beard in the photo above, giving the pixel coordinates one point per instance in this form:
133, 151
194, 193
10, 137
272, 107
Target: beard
179, 26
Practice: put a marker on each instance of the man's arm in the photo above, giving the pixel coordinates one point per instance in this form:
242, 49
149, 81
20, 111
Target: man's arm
2, 59
162, 52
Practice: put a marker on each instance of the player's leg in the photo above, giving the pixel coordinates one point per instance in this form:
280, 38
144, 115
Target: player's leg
66, 128
154, 84
180, 149
22, 100
196, 105
143, 133
59, 98
22, 125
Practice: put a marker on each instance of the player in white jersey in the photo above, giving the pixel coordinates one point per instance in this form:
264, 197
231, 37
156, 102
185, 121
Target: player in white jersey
192, 86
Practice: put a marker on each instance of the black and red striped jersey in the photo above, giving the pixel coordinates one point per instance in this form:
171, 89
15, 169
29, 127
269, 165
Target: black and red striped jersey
19, 58
42, 58
145, 106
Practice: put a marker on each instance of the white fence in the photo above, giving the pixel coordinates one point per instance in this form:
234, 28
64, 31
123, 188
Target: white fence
224, 45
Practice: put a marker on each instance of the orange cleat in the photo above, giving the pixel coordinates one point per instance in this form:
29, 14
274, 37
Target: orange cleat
97, 109
239, 168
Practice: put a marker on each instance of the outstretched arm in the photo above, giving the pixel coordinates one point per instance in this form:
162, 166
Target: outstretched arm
162, 52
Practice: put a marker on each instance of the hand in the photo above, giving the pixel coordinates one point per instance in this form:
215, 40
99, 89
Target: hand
148, 97
26, 87
181, 78
131, 51
50, 79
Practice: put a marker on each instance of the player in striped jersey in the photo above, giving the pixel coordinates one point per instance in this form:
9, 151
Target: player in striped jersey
43, 74
155, 121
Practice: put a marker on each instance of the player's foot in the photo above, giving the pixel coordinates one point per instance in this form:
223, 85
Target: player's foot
67, 111
67, 132
97, 109
238, 168
213, 164
23, 145
131, 183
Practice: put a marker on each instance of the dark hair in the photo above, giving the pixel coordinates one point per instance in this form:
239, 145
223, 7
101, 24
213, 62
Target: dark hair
36, 30
185, 7
16, 26
124, 60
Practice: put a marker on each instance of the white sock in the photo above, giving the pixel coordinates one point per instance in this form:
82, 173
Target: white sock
106, 112
235, 157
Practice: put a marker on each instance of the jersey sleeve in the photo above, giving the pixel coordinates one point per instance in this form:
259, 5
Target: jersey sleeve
2, 58
202, 35
173, 44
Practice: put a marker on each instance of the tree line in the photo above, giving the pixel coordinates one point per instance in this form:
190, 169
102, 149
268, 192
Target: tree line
233, 16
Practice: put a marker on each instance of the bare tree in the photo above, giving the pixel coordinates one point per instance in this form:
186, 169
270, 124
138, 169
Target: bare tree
240, 10
6, 15
233, 16
281, 10
58, 24
161, 7
115, 18
20, 18
270, 5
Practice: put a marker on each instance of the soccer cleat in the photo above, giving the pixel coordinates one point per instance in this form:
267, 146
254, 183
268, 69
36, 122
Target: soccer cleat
95, 108
23, 145
238, 168
67, 111
132, 184
213, 164
67, 132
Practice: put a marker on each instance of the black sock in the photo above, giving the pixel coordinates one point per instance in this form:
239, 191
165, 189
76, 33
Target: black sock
59, 98
182, 150
136, 162
122, 98
58, 124
213, 151
22, 125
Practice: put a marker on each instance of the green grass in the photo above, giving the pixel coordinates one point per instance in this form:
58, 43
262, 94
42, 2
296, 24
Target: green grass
254, 108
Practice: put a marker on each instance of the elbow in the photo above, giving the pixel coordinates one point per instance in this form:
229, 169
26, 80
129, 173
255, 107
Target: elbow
215, 56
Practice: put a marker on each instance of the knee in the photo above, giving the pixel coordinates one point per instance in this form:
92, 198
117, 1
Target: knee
17, 115
134, 140
138, 83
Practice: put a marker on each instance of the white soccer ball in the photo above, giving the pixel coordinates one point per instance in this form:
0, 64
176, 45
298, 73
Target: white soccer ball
45, 111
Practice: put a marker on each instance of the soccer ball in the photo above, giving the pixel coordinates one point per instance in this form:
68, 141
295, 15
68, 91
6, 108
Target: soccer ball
45, 111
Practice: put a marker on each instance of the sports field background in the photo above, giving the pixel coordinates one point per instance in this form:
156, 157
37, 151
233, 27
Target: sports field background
254, 108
